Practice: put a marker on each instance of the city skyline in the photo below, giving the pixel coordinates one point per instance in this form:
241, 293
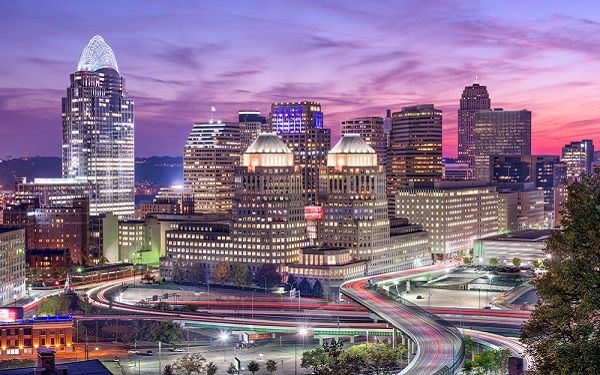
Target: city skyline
357, 60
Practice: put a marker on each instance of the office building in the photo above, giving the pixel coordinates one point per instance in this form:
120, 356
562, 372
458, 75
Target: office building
12, 264
98, 131
415, 152
53, 192
474, 98
251, 124
210, 155
520, 206
455, 213
457, 171
353, 191
300, 127
578, 156
371, 129
499, 133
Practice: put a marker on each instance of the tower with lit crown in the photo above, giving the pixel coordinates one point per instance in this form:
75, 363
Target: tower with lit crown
474, 98
98, 131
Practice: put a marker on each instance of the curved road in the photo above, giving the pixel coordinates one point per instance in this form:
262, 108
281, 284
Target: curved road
438, 347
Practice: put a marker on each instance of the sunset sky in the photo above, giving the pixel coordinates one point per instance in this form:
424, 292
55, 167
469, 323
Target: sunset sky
357, 58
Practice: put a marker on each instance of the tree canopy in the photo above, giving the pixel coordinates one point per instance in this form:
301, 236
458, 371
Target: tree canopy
563, 334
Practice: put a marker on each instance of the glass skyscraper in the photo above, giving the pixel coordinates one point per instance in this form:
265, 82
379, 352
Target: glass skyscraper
98, 131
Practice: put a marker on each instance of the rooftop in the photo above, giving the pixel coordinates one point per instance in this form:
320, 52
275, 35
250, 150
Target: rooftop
268, 143
527, 235
352, 144
97, 55
90, 367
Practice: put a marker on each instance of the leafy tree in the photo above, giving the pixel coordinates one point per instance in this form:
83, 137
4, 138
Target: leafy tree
240, 274
190, 363
179, 271
162, 305
221, 273
196, 274
487, 361
538, 263
493, 262
143, 303
563, 334
377, 358
271, 366
325, 360
232, 370
61, 304
516, 262
317, 290
268, 270
253, 366
211, 368
304, 287
468, 368
168, 370
148, 278
190, 307
467, 260
292, 280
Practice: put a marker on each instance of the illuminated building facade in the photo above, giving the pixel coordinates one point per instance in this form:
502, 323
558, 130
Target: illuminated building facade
499, 133
210, 156
578, 156
98, 131
455, 213
474, 98
12, 264
415, 152
53, 192
353, 191
527, 245
371, 129
251, 124
300, 127
268, 224
18, 338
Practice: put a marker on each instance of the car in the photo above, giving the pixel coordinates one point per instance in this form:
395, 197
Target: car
419, 297
180, 350
116, 359
149, 352
488, 307
133, 351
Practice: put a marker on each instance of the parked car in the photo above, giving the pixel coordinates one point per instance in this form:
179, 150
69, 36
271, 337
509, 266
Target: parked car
180, 350
419, 297
116, 359
149, 352
133, 351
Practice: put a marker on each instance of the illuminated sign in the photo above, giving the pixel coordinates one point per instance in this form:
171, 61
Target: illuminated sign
11, 314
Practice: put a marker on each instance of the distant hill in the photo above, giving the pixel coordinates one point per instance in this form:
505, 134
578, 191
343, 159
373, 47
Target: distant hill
155, 171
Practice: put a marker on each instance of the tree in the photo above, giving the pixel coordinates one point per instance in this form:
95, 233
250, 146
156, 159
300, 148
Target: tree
253, 366
232, 370
493, 261
179, 271
325, 360
221, 273
292, 280
271, 366
196, 274
189, 363
268, 270
467, 260
304, 287
376, 358
189, 307
516, 262
162, 306
563, 334
168, 370
240, 274
468, 368
211, 368
538, 263
317, 290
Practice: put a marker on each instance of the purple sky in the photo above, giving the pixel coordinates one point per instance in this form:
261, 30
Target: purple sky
357, 58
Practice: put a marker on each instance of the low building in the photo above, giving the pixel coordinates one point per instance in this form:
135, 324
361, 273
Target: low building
23, 336
527, 245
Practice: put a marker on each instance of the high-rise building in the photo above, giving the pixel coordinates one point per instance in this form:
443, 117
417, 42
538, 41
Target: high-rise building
371, 130
300, 127
499, 133
455, 213
415, 152
474, 98
578, 156
210, 156
387, 124
12, 283
98, 131
268, 210
251, 124
353, 191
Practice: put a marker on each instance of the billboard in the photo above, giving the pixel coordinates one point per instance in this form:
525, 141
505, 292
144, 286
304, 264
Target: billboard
10, 314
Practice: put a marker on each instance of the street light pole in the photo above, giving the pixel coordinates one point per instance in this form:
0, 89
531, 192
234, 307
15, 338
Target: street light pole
461, 317
224, 338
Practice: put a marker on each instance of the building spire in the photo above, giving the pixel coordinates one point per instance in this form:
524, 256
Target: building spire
476, 80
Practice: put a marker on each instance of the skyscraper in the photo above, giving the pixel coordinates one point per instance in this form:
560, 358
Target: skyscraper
474, 98
251, 124
98, 136
578, 156
300, 126
371, 129
500, 133
210, 156
415, 152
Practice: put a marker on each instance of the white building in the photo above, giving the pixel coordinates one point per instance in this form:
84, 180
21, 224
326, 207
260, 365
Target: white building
527, 245
12, 264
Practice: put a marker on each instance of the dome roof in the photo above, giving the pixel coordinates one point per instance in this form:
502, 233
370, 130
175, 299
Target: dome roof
268, 143
352, 144
97, 55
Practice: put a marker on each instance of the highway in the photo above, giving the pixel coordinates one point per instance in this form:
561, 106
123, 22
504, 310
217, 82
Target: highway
440, 349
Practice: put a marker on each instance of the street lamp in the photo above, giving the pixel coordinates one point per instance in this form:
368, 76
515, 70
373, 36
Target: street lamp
302, 332
224, 338
461, 315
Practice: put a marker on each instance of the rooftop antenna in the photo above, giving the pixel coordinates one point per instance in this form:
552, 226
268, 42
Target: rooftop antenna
212, 114
476, 80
